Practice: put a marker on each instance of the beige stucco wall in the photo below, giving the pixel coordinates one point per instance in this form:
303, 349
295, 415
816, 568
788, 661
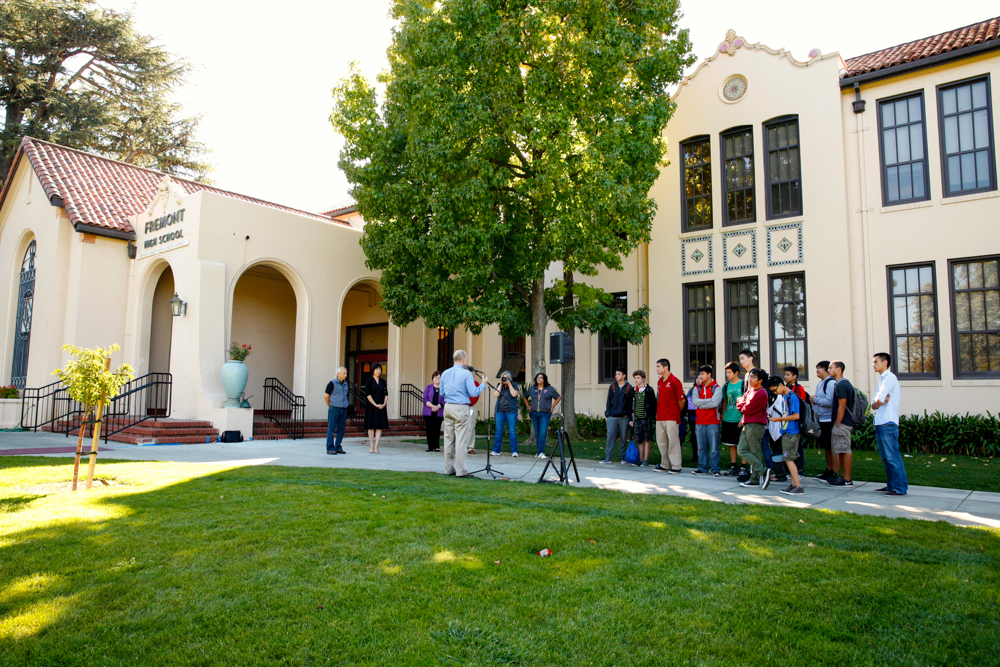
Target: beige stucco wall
778, 86
935, 231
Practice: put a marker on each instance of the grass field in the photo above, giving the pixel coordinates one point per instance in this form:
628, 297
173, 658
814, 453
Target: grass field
195, 564
956, 472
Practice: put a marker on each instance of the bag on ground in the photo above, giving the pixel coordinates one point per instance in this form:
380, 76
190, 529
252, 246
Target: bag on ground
632, 453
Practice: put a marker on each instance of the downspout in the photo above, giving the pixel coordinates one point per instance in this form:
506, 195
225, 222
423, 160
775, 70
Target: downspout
859, 110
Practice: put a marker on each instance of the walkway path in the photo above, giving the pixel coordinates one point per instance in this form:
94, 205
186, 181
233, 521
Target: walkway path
958, 506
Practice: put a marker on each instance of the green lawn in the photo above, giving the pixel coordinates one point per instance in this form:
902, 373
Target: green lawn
943, 470
196, 564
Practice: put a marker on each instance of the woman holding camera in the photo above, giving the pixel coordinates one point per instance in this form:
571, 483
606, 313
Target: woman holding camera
506, 413
541, 398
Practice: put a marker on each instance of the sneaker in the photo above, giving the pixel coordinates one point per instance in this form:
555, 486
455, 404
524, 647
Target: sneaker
780, 478
744, 476
787, 488
882, 490
717, 473
601, 461
748, 483
513, 455
732, 472
793, 491
675, 472
658, 468
743, 471
765, 479
698, 471
496, 454
541, 455
621, 461
840, 481
826, 475
644, 464
894, 492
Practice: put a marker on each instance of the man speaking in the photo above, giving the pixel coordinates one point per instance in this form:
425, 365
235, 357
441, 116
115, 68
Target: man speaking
457, 389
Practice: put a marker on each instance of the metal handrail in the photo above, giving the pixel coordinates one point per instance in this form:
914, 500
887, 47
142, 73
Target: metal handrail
147, 397
411, 403
50, 404
285, 408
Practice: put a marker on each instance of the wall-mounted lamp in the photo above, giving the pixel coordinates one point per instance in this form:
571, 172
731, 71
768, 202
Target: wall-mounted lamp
131, 249
178, 307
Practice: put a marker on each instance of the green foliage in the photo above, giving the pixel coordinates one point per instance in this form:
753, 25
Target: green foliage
9, 392
85, 378
239, 352
937, 433
511, 136
80, 75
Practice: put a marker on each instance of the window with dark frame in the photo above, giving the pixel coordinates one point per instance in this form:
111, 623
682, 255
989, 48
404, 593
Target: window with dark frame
903, 144
612, 351
446, 348
966, 137
738, 177
699, 327
975, 297
742, 317
697, 184
913, 320
784, 178
788, 323
515, 346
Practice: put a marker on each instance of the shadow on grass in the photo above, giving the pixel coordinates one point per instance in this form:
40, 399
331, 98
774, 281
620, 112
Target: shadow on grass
279, 565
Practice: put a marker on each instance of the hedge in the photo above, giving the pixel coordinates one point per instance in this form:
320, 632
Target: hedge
937, 433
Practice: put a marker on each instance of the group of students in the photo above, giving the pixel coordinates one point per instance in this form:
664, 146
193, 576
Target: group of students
761, 419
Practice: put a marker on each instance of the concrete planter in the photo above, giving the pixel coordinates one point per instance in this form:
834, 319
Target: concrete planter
234, 381
10, 412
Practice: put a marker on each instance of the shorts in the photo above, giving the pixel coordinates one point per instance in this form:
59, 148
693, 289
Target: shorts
790, 446
731, 433
840, 440
643, 430
825, 429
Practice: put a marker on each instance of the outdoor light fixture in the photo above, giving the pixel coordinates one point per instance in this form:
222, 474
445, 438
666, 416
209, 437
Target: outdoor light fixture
132, 249
178, 307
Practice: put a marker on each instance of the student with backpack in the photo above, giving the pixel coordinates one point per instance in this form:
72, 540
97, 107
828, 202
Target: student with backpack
707, 428
843, 423
789, 425
823, 405
792, 382
643, 417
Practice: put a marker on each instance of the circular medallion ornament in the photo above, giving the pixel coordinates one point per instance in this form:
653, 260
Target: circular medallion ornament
734, 88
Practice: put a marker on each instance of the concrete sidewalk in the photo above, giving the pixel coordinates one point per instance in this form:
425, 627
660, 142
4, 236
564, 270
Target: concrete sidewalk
958, 506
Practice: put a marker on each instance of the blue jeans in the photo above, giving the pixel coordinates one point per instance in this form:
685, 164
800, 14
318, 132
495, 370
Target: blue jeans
765, 446
709, 437
540, 420
887, 439
336, 424
510, 419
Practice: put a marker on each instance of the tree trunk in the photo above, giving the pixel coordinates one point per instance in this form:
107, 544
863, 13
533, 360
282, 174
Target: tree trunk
569, 368
539, 320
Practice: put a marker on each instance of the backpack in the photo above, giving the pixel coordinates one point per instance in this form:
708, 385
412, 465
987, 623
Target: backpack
808, 424
632, 453
861, 408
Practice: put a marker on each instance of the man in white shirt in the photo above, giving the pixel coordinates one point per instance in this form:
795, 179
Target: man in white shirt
886, 405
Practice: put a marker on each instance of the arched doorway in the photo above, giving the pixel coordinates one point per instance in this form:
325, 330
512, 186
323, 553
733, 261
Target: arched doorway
264, 317
365, 332
22, 325
161, 322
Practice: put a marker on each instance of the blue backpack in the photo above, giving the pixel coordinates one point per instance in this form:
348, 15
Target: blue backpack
632, 453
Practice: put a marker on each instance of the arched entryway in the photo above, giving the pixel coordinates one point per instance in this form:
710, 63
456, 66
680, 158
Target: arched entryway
365, 332
264, 317
161, 321
22, 323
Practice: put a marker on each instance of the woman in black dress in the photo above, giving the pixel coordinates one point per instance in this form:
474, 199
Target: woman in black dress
376, 416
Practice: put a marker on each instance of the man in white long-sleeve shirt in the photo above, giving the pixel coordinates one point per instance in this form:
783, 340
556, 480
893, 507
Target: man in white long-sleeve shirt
886, 405
823, 406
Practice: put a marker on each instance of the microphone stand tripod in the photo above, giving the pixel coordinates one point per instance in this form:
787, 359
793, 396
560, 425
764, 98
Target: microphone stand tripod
489, 469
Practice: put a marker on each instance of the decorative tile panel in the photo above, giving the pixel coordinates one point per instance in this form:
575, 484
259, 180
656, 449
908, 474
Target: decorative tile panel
696, 255
784, 244
739, 250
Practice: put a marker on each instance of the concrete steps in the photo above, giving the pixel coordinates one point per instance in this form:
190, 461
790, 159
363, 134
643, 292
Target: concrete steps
152, 431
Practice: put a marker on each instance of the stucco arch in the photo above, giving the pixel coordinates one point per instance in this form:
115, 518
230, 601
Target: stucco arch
143, 305
300, 363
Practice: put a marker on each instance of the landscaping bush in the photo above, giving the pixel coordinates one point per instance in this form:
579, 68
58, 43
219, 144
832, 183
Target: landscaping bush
937, 433
9, 392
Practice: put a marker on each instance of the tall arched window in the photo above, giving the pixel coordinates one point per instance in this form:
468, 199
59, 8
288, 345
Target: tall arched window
22, 328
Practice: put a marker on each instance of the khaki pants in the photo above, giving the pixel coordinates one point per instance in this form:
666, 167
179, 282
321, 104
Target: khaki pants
668, 439
458, 434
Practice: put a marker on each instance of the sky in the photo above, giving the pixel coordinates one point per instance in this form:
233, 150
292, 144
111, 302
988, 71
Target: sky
264, 70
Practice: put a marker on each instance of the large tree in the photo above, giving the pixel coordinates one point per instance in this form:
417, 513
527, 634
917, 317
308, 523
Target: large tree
80, 75
510, 156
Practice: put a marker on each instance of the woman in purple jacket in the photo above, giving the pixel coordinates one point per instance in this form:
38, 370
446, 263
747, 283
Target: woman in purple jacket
433, 412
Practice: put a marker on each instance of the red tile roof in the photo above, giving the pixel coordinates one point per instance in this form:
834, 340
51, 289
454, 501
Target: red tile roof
98, 192
959, 38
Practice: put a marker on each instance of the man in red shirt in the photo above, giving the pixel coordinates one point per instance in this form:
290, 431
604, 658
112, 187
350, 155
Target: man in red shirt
753, 406
669, 401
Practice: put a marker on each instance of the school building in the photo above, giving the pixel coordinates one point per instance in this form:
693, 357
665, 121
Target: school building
813, 208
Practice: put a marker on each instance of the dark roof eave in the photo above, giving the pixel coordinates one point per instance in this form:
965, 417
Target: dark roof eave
104, 231
922, 63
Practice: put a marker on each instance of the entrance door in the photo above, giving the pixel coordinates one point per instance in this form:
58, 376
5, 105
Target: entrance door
365, 361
